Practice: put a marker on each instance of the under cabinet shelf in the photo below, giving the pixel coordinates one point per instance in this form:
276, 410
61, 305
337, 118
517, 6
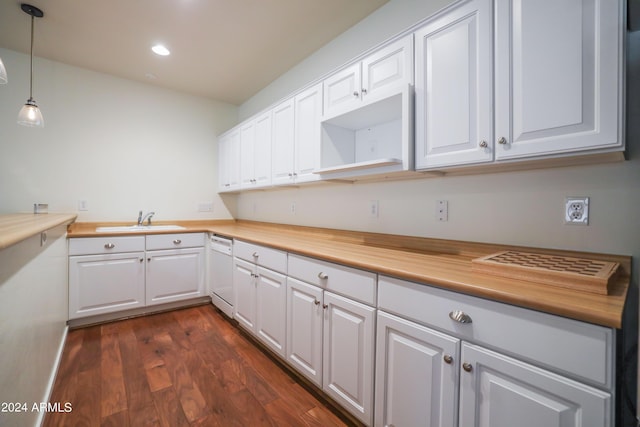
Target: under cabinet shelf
360, 165
376, 137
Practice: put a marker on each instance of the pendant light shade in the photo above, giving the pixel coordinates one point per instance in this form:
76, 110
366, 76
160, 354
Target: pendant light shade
3, 73
30, 114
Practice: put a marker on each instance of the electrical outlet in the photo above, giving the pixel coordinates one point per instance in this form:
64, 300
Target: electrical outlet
576, 210
442, 210
373, 209
83, 205
205, 207
293, 208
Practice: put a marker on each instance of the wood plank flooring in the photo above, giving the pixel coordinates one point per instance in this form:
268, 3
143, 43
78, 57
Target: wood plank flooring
187, 367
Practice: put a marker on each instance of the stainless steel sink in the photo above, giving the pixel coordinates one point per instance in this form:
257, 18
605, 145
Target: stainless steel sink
137, 228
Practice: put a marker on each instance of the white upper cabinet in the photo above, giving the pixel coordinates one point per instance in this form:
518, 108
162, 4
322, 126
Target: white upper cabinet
308, 112
255, 148
558, 86
296, 137
283, 143
367, 126
454, 87
247, 156
229, 161
558, 76
383, 71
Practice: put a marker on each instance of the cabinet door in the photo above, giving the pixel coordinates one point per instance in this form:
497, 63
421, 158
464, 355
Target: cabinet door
105, 283
244, 302
454, 87
495, 390
283, 143
271, 298
174, 275
225, 165
247, 156
308, 112
558, 76
416, 375
388, 69
342, 90
304, 329
229, 162
348, 352
262, 150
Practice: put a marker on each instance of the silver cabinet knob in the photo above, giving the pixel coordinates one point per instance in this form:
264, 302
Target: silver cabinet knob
483, 144
255, 254
356, 93
460, 316
141, 259
448, 359
177, 241
322, 276
364, 91
467, 367
502, 140
325, 306
109, 246
316, 302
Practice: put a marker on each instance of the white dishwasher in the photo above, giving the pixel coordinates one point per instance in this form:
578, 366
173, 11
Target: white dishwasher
221, 273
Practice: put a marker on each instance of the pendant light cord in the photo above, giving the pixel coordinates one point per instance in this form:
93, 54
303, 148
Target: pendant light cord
31, 73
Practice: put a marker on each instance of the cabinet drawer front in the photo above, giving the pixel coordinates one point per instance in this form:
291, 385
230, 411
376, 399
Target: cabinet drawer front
553, 342
174, 241
105, 245
273, 259
351, 282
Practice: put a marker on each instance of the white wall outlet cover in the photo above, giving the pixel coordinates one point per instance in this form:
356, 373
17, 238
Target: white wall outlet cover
576, 210
373, 209
442, 210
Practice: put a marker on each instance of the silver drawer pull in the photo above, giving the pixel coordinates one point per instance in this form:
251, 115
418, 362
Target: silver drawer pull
177, 241
109, 246
255, 254
460, 316
322, 276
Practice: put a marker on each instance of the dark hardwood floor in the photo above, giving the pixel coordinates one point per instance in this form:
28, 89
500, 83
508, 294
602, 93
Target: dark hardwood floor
188, 367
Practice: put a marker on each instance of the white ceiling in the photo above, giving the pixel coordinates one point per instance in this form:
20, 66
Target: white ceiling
222, 49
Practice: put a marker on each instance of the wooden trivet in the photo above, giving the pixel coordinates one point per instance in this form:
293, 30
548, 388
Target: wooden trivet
566, 272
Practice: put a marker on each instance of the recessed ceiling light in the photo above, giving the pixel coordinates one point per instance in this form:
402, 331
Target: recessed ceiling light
160, 50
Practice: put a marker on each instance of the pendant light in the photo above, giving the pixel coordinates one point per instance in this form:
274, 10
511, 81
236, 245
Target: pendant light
30, 114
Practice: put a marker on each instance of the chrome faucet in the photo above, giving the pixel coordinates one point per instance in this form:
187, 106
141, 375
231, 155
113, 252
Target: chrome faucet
146, 217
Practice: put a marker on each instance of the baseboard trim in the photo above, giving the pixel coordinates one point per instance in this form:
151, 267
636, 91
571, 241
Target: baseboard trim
52, 377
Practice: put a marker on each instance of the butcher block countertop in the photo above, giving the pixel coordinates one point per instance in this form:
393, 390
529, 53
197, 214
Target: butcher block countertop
15, 228
442, 263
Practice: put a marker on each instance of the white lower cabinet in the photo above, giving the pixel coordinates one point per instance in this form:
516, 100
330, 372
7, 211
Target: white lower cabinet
100, 284
305, 316
416, 375
331, 337
348, 349
260, 294
115, 273
174, 275
534, 373
497, 390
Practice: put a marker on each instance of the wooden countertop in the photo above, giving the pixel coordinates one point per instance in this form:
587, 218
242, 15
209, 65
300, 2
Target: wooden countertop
442, 263
15, 228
